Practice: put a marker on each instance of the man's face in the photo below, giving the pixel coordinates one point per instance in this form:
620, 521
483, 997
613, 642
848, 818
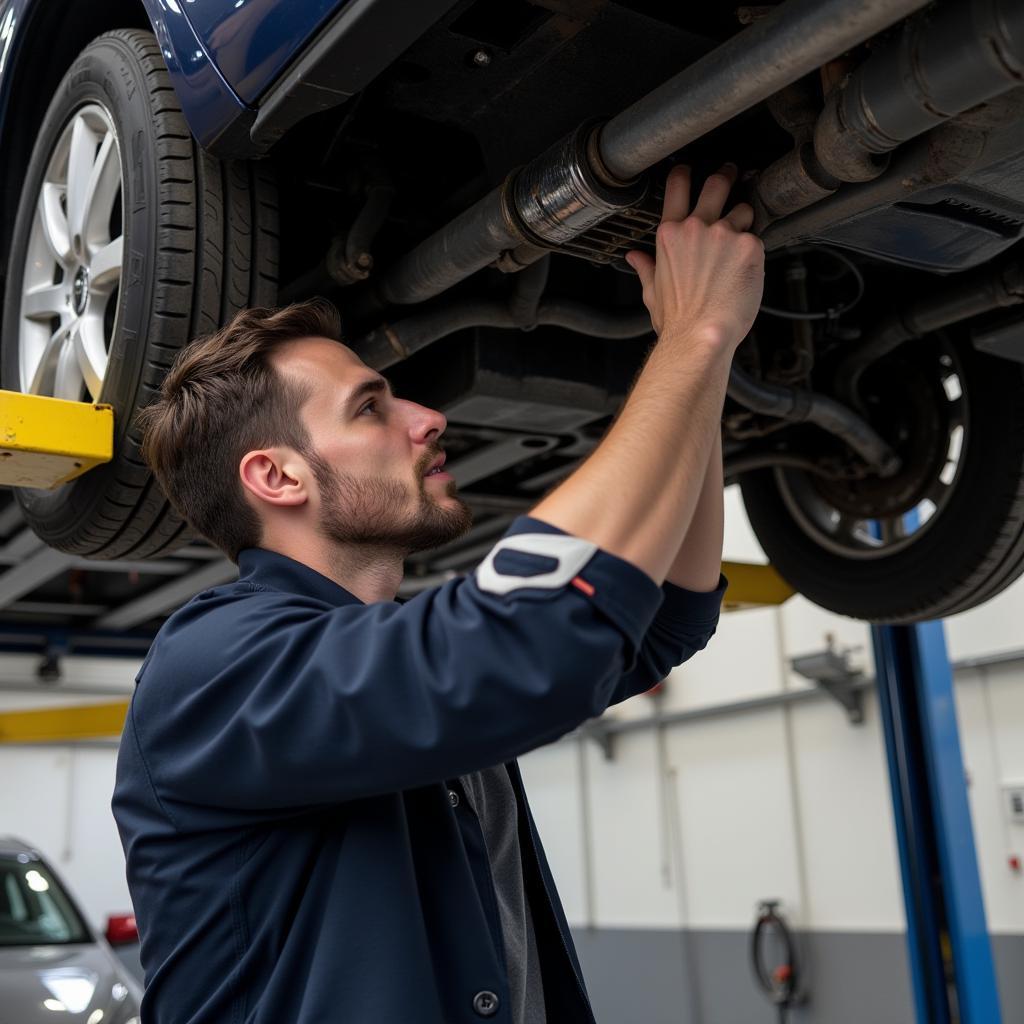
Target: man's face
375, 457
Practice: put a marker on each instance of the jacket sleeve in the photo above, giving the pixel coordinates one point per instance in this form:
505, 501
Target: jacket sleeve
684, 624
274, 702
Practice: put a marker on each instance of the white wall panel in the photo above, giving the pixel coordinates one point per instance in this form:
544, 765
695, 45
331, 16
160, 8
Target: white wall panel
741, 661
1006, 690
628, 823
997, 625
850, 853
58, 800
116, 673
96, 866
738, 845
551, 777
995, 838
1005, 693
740, 543
34, 798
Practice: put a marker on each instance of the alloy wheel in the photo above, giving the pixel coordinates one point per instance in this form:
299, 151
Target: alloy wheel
74, 263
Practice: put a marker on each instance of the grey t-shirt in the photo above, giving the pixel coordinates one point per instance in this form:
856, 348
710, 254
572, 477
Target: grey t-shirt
493, 800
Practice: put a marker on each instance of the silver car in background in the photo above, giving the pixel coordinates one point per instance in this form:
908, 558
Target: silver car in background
53, 967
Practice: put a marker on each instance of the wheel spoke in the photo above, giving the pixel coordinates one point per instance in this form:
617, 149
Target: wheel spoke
91, 353
891, 529
45, 302
54, 222
43, 371
100, 193
68, 378
105, 269
81, 161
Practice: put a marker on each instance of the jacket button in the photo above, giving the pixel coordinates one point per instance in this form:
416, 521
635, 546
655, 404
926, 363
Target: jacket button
453, 798
485, 1003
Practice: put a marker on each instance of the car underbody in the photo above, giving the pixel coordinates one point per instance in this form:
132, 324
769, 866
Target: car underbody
468, 209
889, 193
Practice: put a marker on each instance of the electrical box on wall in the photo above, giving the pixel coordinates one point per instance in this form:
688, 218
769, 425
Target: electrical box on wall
1013, 797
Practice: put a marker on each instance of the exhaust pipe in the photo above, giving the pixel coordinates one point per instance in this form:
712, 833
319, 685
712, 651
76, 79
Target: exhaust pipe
596, 173
945, 62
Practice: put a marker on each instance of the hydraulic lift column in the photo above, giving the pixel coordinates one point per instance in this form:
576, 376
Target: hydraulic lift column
949, 951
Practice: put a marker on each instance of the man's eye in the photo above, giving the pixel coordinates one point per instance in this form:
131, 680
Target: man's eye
372, 406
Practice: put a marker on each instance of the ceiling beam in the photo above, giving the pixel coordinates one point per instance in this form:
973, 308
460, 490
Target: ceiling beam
161, 567
199, 552
57, 608
167, 597
35, 570
10, 517
23, 543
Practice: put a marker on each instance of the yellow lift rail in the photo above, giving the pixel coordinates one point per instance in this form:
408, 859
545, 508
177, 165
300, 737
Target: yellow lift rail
750, 586
66, 724
45, 442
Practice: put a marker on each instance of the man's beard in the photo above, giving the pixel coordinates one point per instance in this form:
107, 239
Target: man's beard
374, 512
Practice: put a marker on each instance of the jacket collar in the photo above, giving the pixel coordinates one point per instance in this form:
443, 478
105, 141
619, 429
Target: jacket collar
274, 571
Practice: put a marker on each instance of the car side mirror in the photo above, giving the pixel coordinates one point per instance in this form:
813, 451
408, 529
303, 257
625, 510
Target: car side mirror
121, 929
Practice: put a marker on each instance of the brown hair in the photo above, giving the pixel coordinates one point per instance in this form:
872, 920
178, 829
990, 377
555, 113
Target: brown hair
221, 399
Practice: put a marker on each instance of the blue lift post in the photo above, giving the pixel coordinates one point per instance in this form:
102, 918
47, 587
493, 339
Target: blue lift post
950, 954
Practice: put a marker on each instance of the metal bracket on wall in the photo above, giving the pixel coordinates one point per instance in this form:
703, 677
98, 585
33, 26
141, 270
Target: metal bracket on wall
830, 670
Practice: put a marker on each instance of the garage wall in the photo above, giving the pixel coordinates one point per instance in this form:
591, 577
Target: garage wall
683, 833
58, 797
662, 853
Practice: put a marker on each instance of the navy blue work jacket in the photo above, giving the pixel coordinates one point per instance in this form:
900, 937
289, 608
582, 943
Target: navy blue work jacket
285, 780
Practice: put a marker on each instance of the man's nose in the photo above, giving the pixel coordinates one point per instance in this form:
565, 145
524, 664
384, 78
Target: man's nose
426, 424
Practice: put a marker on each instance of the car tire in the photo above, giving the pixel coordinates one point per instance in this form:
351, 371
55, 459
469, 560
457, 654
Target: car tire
198, 242
973, 550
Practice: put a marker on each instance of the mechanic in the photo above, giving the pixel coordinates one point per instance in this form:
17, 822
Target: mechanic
317, 790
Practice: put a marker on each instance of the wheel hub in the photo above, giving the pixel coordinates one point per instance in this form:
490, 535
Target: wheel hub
909, 406
80, 291
916, 399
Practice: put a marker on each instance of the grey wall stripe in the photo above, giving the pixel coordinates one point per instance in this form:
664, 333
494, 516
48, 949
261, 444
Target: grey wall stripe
639, 976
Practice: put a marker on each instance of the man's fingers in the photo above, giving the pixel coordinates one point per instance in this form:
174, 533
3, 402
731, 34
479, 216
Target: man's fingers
677, 193
740, 217
644, 267
714, 194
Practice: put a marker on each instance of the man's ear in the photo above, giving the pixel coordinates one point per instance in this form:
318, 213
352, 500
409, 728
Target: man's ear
275, 475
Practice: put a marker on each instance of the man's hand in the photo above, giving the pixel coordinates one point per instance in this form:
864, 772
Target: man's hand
707, 276
637, 494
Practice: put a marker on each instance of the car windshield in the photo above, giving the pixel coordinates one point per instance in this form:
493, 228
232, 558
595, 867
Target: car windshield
33, 908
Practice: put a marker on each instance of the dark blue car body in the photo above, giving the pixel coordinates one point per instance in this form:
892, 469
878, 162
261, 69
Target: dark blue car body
243, 70
224, 55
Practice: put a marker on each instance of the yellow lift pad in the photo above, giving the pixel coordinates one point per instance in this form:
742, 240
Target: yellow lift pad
753, 586
44, 442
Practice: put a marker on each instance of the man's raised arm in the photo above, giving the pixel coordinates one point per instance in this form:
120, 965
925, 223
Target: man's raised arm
698, 563
638, 493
